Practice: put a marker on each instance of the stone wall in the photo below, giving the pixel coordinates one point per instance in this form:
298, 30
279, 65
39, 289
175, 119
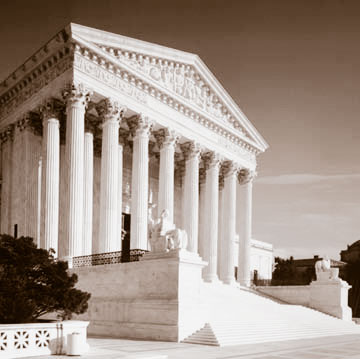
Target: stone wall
293, 294
155, 299
19, 194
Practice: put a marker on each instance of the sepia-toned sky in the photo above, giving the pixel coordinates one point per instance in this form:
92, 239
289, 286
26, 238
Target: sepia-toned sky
291, 66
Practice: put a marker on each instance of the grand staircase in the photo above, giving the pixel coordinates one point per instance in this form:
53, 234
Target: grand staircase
237, 316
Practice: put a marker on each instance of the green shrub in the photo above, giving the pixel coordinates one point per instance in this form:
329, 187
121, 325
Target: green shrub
33, 283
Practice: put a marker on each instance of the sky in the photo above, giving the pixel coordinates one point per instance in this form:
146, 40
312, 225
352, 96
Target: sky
291, 66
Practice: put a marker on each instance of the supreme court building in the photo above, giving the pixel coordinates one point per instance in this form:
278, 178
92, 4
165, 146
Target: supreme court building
96, 128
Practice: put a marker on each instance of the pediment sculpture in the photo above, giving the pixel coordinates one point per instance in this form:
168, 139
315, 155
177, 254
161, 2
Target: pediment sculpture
163, 234
323, 270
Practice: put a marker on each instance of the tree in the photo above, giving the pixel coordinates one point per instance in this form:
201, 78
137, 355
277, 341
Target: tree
285, 273
352, 276
33, 283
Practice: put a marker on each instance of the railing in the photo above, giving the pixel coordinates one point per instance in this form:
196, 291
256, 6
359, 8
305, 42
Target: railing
35, 339
108, 258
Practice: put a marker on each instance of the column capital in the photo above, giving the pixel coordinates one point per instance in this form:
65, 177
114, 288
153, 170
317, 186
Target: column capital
190, 150
8, 133
229, 168
166, 137
245, 175
30, 121
140, 125
211, 160
109, 109
52, 108
76, 94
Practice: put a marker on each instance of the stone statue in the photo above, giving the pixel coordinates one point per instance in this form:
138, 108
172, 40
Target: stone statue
163, 235
324, 271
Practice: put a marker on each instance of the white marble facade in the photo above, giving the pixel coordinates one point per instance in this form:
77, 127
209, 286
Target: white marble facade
95, 124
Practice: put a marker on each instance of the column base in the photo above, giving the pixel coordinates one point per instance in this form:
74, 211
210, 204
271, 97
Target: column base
211, 279
245, 283
229, 281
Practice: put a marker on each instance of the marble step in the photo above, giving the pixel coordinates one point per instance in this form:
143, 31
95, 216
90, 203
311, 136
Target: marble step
212, 336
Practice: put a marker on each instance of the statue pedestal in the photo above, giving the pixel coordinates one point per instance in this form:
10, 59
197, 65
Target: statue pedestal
185, 269
331, 296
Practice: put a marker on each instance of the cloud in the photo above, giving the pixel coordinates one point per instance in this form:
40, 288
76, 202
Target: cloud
305, 178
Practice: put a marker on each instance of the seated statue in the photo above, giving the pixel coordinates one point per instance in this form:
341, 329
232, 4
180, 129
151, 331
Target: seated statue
324, 271
163, 235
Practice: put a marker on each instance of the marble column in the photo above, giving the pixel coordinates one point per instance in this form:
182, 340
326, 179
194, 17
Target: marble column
212, 164
201, 216
120, 186
220, 225
7, 151
76, 100
245, 178
88, 187
141, 127
110, 112
38, 218
229, 224
51, 159
166, 140
191, 153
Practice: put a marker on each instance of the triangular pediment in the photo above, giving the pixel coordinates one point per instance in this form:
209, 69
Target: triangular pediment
179, 73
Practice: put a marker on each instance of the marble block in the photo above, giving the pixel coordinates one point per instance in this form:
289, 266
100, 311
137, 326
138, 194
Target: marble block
331, 296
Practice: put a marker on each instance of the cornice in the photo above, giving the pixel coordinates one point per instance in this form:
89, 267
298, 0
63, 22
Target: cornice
44, 53
32, 82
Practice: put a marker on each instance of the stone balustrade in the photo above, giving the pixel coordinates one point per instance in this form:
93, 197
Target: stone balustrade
34, 339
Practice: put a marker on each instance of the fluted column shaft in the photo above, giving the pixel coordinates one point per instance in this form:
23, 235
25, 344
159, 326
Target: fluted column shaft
191, 195
52, 180
139, 185
229, 225
77, 99
220, 227
108, 240
120, 178
211, 218
167, 141
201, 242
245, 233
88, 192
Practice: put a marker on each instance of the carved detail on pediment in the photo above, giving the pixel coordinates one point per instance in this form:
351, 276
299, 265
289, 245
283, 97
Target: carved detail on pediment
115, 76
180, 78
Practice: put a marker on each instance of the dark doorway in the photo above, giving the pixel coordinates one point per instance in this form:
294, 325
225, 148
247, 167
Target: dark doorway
125, 243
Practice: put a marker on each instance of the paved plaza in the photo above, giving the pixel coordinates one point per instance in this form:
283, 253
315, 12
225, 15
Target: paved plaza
339, 347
